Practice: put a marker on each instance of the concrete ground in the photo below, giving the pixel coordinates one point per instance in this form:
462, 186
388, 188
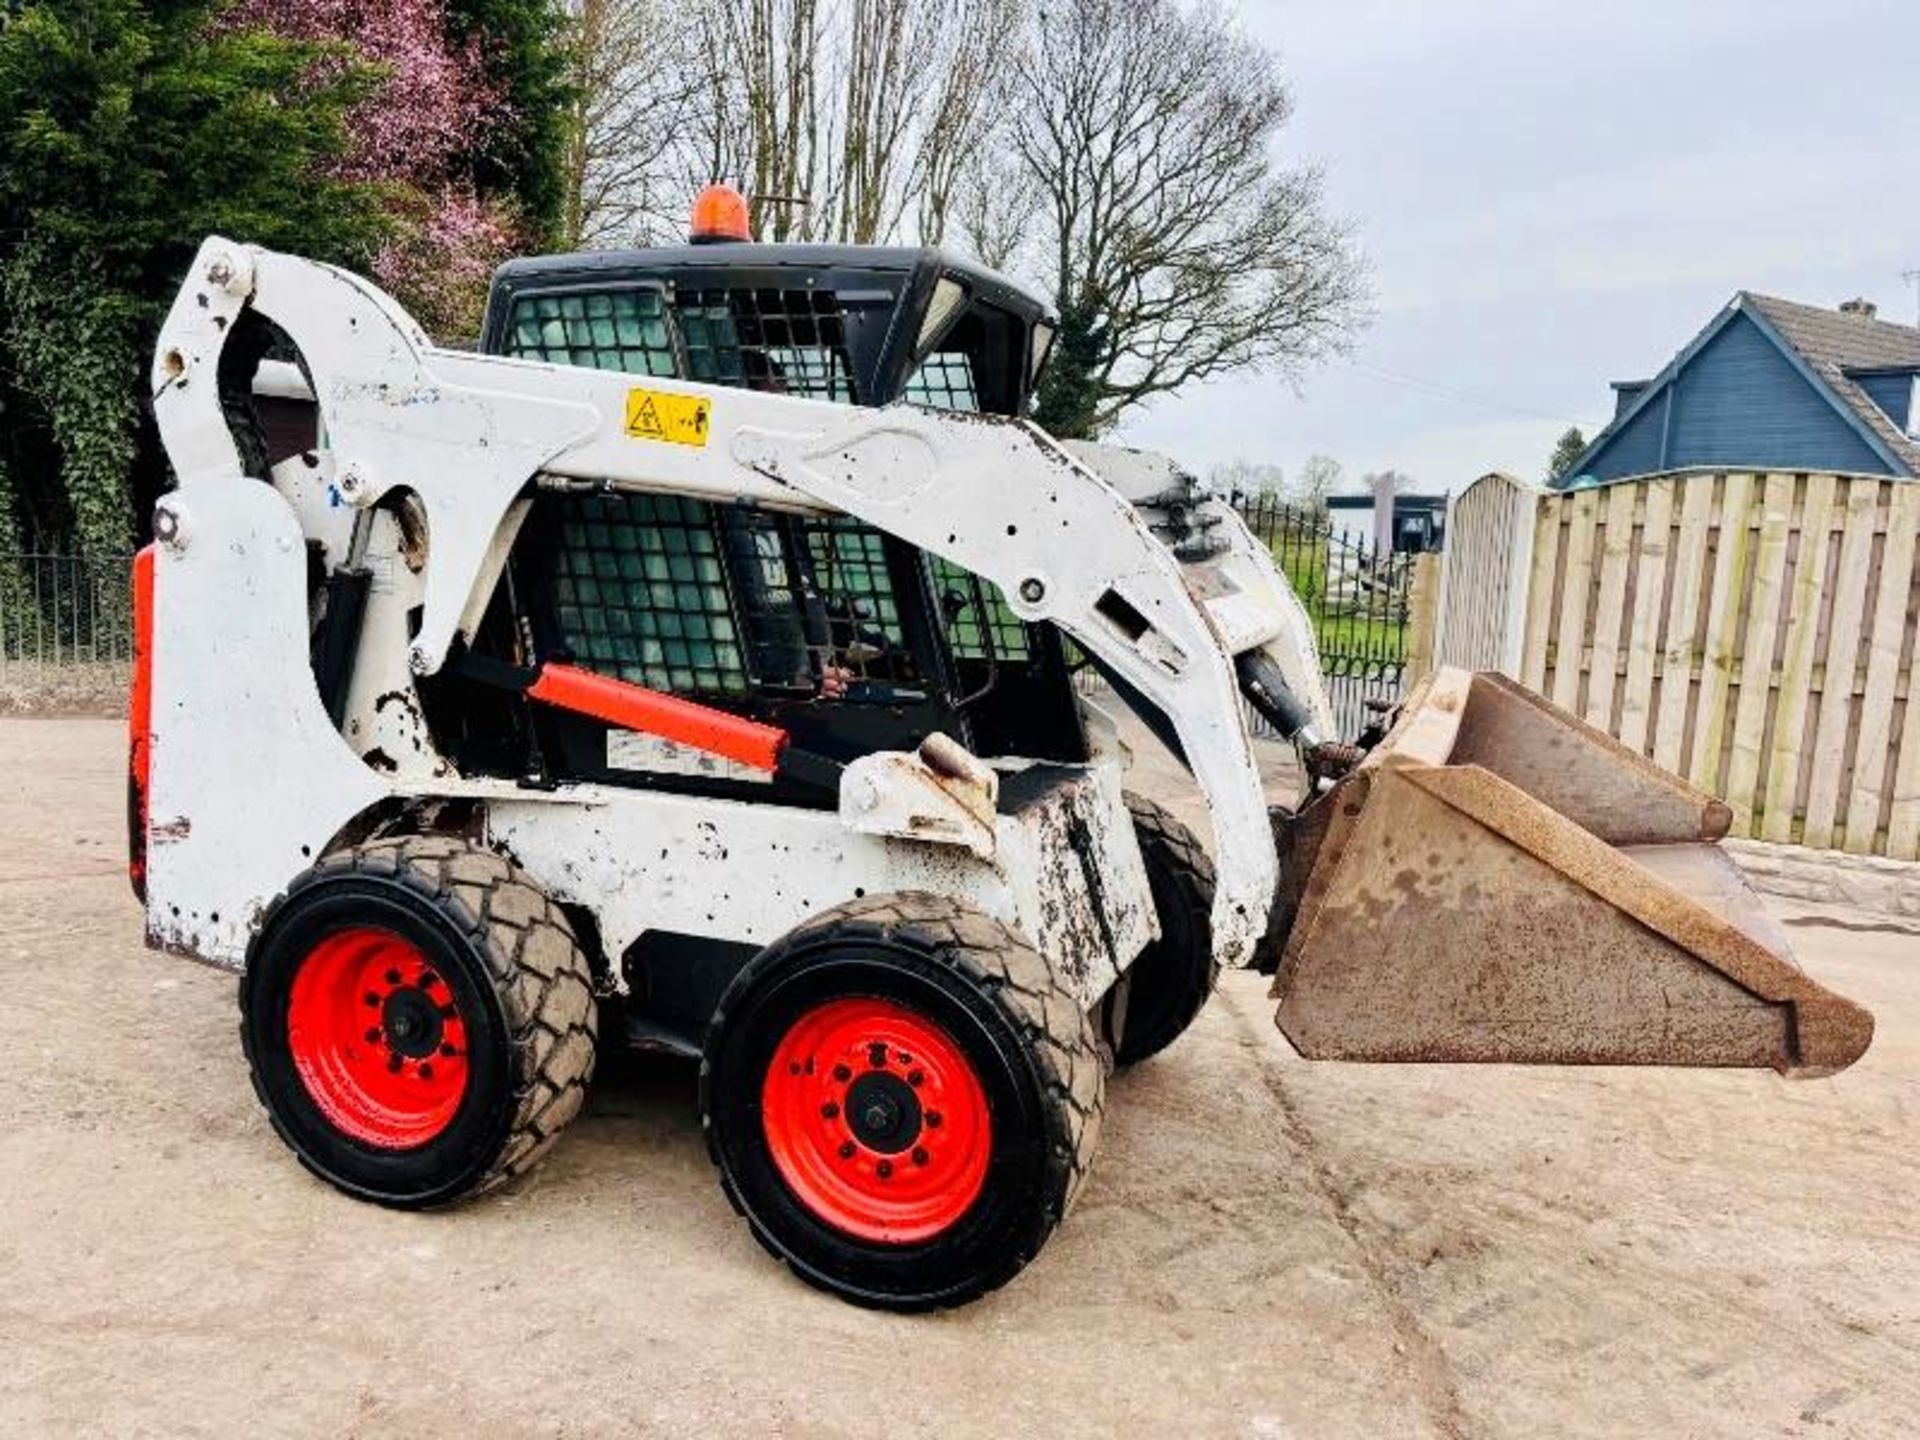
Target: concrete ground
1266, 1247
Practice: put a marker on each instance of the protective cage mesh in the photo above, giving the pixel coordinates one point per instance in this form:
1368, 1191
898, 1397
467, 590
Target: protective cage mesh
702, 599
943, 380
641, 594
791, 342
623, 330
980, 625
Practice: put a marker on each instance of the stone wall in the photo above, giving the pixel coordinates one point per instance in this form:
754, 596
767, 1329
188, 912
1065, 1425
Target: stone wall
1889, 888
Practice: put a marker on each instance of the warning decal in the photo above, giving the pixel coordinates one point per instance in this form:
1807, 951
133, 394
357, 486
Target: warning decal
658, 415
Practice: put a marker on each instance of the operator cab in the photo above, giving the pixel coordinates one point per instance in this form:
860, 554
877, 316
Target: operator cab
862, 325
847, 638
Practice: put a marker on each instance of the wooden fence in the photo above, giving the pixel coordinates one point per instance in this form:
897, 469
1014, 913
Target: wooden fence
1753, 632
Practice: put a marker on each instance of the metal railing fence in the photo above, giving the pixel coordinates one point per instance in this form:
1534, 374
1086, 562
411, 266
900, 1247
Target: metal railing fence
65, 610
1360, 598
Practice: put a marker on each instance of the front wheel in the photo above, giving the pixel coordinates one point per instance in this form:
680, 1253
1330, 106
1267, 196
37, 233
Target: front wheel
902, 1100
419, 1020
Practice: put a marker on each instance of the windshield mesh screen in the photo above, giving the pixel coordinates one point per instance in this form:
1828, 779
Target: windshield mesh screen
943, 380
722, 601
980, 626
787, 342
623, 330
641, 594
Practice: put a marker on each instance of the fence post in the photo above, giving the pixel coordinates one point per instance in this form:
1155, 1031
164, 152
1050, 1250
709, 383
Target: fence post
1423, 617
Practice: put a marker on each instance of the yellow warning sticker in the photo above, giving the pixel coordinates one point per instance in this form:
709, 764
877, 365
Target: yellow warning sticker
658, 415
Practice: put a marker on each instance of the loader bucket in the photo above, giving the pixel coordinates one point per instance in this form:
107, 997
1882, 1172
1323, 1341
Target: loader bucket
1499, 881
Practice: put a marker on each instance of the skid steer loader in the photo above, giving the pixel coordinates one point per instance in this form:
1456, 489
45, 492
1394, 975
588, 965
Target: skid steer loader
692, 669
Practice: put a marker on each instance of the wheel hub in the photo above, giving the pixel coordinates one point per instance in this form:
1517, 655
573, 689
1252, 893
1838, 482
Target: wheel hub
411, 1022
877, 1120
377, 1039
883, 1113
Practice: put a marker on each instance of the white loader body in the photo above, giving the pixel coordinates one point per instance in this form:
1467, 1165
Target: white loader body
251, 781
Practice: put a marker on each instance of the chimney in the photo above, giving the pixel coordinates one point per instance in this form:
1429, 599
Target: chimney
1859, 309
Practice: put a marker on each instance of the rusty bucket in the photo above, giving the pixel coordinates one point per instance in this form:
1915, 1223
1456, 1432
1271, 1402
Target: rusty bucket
1499, 881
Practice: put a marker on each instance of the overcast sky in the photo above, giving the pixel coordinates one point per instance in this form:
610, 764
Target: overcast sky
1555, 195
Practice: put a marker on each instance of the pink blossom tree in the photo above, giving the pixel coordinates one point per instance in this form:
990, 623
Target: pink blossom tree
429, 111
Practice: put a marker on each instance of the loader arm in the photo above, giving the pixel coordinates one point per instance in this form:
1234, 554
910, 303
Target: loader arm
469, 435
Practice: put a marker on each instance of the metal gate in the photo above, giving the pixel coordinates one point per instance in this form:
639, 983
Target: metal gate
1359, 598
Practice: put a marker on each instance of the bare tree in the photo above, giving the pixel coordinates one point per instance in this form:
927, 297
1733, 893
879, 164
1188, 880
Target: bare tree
975, 82
993, 213
1177, 248
1243, 479
636, 86
889, 44
1320, 476
854, 120
760, 123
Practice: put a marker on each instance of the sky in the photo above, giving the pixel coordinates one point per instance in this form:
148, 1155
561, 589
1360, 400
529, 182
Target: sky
1553, 195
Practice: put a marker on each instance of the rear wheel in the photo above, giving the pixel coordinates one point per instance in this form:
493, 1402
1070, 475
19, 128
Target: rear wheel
902, 1101
1169, 983
419, 1020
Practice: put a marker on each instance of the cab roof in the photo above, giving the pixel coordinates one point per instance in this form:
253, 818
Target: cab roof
847, 260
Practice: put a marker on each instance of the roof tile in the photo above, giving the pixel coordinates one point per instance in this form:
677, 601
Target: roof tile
1833, 342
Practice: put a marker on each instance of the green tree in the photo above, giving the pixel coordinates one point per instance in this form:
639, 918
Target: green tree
1067, 403
1567, 451
129, 130
523, 50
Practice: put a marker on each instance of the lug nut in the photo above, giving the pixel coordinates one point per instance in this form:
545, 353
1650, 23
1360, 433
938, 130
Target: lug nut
394, 1062
916, 1078
830, 1110
393, 977
373, 1035
846, 1149
933, 1119
877, 1055
842, 1073
426, 1070
372, 999
884, 1169
919, 1155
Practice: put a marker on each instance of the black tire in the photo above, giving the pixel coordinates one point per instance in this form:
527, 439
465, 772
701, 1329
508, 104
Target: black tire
515, 976
996, 1000
1170, 982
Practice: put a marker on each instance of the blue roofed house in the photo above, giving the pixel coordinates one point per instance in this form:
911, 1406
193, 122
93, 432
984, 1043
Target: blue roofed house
1771, 385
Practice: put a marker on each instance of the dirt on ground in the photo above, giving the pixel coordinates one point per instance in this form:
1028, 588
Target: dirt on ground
1266, 1247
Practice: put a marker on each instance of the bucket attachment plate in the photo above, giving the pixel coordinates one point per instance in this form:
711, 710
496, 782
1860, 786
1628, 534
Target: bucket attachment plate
1499, 881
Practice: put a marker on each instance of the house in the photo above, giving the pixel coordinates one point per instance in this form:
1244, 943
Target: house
1412, 525
1771, 385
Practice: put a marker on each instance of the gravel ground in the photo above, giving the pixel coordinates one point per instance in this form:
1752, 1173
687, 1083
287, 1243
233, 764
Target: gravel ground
1266, 1247
63, 690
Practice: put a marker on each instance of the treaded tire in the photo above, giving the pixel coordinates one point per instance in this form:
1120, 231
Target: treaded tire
1022, 1031
1170, 982
517, 977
